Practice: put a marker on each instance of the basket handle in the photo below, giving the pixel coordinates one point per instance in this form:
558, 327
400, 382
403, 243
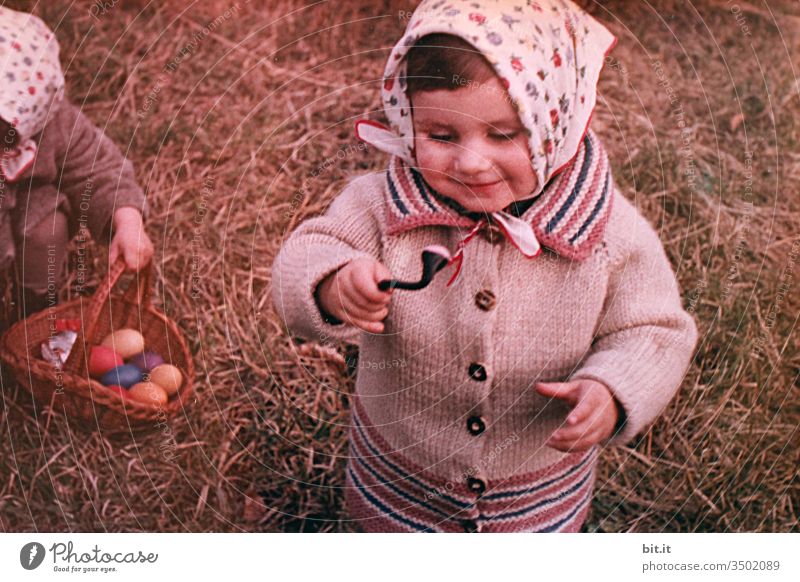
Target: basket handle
139, 292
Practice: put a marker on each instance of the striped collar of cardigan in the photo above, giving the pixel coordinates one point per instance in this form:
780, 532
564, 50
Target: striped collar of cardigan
568, 217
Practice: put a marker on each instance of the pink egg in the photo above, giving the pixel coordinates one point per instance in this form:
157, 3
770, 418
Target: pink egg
168, 377
126, 342
102, 359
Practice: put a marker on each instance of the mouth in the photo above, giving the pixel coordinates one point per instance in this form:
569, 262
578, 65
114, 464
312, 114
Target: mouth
481, 186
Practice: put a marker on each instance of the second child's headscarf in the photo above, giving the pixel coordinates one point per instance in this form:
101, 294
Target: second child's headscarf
31, 87
548, 54
31, 84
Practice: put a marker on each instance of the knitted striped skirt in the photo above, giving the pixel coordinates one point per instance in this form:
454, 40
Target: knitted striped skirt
387, 493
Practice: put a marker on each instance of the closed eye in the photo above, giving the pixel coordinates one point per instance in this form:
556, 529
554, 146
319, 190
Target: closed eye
440, 136
504, 136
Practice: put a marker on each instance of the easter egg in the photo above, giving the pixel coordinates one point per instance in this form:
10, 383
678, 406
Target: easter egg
124, 375
126, 342
168, 377
102, 359
149, 393
118, 389
146, 361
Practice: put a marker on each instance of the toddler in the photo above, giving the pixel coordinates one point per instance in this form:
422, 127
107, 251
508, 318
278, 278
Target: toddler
558, 328
58, 172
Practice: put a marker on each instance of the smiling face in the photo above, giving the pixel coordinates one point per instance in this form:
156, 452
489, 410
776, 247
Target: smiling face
471, 146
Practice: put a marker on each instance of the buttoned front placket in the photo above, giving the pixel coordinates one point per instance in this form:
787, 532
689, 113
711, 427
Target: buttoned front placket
481, 280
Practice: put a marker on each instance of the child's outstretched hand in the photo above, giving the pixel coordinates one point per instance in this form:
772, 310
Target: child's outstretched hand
130, 240
593, 416
351, 294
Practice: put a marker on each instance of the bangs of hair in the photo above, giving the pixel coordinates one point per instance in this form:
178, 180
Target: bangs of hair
444, 61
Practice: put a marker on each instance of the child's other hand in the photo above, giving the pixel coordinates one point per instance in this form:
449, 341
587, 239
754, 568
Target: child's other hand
351, 294
130, 240
593, 416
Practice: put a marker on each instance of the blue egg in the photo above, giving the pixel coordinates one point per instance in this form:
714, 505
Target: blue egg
126, 376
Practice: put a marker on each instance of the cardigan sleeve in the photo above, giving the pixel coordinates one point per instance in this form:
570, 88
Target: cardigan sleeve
348, 230
93, 174
645, 339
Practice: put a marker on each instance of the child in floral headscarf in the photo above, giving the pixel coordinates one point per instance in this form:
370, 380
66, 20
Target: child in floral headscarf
558, 330
58, 172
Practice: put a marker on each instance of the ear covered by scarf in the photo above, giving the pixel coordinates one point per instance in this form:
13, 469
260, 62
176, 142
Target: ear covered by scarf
548, 54
32, 85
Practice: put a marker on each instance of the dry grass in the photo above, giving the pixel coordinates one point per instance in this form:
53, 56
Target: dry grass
224, 142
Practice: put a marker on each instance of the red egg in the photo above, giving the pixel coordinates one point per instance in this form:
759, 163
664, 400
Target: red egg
102, 359
119, 390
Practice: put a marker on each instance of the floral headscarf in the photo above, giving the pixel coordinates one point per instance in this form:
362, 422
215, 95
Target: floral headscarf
32, 84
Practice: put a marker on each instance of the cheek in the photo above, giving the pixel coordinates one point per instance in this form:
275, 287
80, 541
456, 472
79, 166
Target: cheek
524, 172
528, 180
430, 157
519, 164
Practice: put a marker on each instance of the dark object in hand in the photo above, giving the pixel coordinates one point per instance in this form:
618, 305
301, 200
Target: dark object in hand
434, 259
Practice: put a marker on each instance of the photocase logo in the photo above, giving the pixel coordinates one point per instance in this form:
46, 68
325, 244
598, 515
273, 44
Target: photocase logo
31, 555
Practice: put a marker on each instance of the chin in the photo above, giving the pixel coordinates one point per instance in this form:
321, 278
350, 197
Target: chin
475, 203
477, 206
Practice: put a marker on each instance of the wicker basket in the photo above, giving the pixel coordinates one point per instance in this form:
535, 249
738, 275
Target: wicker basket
71, 390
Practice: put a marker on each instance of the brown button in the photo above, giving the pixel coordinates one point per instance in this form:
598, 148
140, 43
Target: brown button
485, 300
475, 425
476, 485
477, 372
492, 234
469, 526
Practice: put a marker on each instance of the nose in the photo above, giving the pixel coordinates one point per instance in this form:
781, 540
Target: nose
473, 159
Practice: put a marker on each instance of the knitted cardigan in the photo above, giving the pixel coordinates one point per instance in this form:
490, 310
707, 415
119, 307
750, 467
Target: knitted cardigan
448, 432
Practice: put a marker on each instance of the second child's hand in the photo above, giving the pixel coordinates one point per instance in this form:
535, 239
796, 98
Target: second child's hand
130, 240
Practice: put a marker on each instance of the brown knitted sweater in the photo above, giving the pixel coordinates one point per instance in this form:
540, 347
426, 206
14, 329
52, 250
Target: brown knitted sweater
77, 170
615, 317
